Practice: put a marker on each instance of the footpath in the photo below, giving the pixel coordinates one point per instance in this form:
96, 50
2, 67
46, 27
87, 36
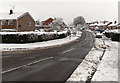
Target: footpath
101, 64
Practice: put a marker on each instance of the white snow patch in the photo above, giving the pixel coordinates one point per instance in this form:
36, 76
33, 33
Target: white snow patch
27, 46
33, 32
89, 64
108, 68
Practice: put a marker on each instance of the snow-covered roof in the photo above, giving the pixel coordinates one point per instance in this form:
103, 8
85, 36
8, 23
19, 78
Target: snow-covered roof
15, 15
113, 31
102, 24
118, 25
8, 30
112, 25
95, 24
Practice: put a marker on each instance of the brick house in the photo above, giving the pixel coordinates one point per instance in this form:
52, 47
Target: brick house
51, 24
48, 21
16, 22
46, 25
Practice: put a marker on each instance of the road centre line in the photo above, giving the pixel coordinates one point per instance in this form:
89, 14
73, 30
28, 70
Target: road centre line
68, 50
25, 65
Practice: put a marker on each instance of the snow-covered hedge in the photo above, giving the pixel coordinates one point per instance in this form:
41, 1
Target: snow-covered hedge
113, 36
30, 37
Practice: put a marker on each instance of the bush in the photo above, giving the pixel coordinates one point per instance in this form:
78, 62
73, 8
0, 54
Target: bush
116, 37
109, 35
62, 36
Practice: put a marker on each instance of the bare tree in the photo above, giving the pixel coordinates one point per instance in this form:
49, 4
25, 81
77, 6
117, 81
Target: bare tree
58, 24
79, 21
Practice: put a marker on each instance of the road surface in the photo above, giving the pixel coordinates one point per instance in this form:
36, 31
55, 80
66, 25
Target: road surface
49, 64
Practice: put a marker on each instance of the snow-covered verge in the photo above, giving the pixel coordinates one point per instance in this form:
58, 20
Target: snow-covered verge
108, 68
45, 44
31, 32
99, 64
89, 65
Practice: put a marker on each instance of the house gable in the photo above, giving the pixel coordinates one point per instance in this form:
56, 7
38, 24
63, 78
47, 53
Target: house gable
27, 13
25, 23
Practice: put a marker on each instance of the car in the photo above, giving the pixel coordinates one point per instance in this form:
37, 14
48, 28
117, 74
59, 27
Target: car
100, 30
98, 35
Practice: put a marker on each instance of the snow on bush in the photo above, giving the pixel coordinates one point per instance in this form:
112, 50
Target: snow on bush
29, 37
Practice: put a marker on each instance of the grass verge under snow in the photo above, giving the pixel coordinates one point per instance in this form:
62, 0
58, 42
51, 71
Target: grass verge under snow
28, 46
108, 68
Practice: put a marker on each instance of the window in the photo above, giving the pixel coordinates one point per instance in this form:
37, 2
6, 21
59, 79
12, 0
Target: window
11, 22
3, 22
0, 22
19, 26
29, 23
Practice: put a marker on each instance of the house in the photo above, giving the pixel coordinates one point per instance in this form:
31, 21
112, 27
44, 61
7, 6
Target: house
46, 25
93, 25
48, 21
99, 25
103, 24
16, 21
51, 24
118, 26
113, 25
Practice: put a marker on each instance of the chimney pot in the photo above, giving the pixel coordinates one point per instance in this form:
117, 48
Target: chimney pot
11, 11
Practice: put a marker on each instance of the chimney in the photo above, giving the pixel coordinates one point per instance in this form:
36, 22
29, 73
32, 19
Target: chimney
11, 12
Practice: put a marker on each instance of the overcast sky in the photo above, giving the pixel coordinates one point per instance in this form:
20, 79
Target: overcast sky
68, 10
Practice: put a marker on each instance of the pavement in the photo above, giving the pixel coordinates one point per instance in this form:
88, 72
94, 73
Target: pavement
50, 64
100, 65
108, 63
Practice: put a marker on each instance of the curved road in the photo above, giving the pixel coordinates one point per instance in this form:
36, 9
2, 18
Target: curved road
50, 64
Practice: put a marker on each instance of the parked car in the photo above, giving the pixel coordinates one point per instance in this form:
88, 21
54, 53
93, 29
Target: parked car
100, 30
98, 35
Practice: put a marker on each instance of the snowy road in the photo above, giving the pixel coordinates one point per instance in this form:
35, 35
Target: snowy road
51, 64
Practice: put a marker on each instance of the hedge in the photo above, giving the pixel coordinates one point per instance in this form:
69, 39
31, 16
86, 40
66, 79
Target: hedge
113, 36
30, 38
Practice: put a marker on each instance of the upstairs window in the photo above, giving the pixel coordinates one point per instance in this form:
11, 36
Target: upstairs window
29, 23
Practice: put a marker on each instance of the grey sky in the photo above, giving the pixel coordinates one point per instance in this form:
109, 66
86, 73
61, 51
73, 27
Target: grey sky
91, 11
